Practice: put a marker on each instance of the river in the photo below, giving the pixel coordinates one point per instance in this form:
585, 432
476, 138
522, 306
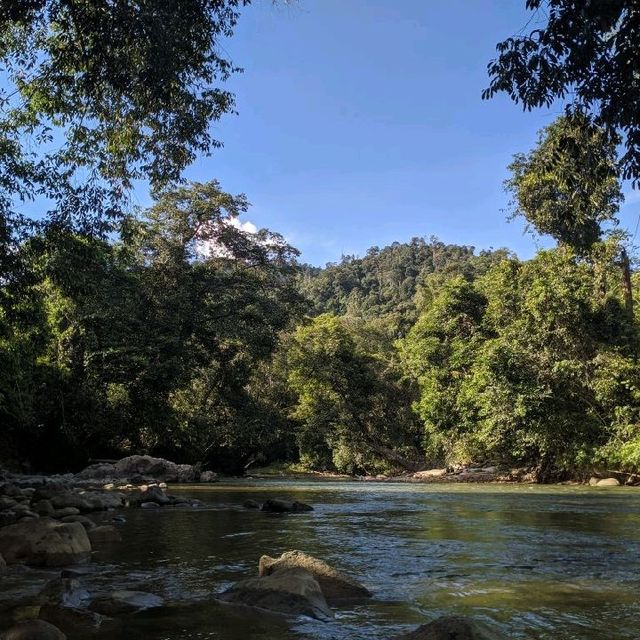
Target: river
538, 562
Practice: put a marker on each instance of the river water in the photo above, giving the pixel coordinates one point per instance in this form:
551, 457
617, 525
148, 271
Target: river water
546, 563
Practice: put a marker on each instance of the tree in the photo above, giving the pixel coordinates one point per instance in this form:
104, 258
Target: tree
107, 93
586, 54
353, 411
568, 185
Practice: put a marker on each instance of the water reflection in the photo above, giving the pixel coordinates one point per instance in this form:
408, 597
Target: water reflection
544, 563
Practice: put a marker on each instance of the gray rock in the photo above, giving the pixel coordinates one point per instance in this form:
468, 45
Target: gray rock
33, 630
208, 476
608, 482
451, 628
285, 506
154, 494
149, 505
104, 534
291, 592
45, 542
3, 565
43, 508
250, 504
336, 585
8, 517
100, 471
70, 499
7, 503
123, 602
104, 500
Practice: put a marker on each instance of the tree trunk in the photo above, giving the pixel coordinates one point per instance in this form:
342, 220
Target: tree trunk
626, 275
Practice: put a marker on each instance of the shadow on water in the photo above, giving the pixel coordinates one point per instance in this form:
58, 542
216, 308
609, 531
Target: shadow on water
536, 562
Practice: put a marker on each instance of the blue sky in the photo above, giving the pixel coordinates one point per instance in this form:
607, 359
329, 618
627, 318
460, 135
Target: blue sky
360, 123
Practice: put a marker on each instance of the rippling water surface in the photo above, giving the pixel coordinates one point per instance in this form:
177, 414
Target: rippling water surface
535, 562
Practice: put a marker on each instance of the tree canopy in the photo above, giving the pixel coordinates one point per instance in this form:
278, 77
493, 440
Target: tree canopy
586, 54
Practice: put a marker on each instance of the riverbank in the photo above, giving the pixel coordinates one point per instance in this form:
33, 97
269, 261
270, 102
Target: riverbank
475, 475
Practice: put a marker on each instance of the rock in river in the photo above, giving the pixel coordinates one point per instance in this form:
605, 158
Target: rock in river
335, 585
285, 506
451, 628
608, 482
291, 592
33, 630
45, 542
104, 535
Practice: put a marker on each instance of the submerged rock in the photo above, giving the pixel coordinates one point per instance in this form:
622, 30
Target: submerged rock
285, 506
451, 628
33, 630
335, 585
122, 602
291, 592
251, 504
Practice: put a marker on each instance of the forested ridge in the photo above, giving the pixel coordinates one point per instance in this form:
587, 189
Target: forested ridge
174, 331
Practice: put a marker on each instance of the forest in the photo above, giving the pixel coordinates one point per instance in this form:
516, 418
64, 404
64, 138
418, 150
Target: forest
173, 331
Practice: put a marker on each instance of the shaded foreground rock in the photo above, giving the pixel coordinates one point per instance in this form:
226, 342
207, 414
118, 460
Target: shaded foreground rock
123, 602
33, 630
275, 505
45, 542
336, 586
451, 628
291, 592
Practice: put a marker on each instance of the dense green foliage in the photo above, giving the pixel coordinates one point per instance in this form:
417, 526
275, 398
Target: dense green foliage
585, 54
390, 282
145, 344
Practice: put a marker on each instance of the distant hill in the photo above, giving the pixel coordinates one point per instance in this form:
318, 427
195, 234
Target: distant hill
385, 281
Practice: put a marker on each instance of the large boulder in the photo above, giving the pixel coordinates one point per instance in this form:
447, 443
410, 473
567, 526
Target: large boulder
291, 592
33, 630
154, 494
275, 505
123, 602
451, 628
336, 586
45, 542
157, 468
